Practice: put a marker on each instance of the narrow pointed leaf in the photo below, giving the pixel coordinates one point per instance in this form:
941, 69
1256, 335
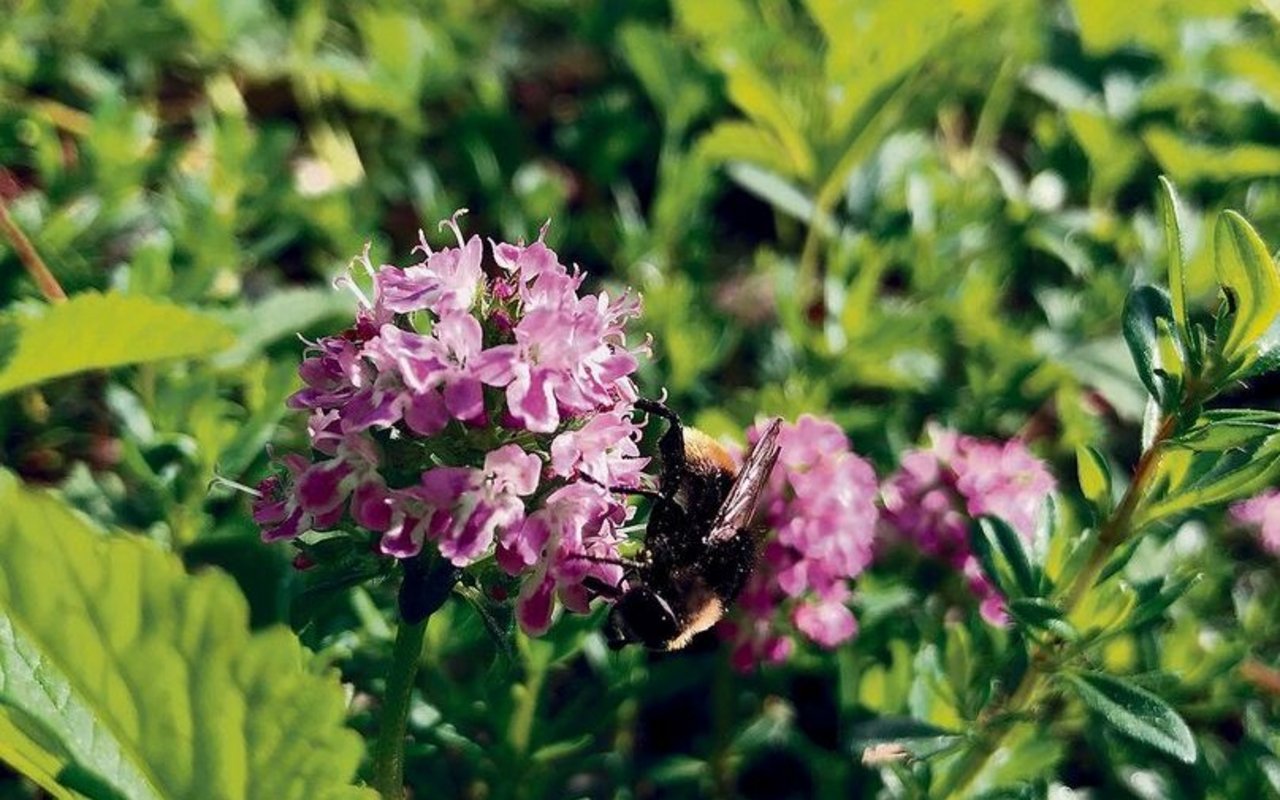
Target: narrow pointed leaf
1004, 557
1136, 713
1169, 210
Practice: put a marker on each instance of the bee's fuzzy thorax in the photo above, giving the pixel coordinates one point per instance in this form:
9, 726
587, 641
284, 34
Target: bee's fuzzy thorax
707, 455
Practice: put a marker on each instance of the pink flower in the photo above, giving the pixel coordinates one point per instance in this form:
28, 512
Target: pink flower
605, 450
462, 508
579, 519
437, 380
1261, 514
937, 491
447, 280
520, 479
569, 354
820, 509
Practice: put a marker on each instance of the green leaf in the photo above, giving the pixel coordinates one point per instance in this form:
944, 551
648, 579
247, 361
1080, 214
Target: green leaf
1188, 161
1094, 475
783, 195
94, 331
1004, 557
283, 314
1238, 473
918, 738
1040, 614
150, 677
1224, 429
1169, 211
1143, 307
1245, 268
1156, 598
1136, 713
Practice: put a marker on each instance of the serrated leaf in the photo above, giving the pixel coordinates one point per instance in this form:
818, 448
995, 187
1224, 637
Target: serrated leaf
1094, 475
1143, 307
1136, 713
1245, 268
150, 677
96, 331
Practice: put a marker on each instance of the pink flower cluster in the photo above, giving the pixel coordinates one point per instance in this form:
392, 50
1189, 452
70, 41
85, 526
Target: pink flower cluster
1261, 515
820, 509
936, 492
496, 393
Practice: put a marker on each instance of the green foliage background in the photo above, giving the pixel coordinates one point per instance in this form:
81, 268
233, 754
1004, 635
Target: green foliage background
883, 211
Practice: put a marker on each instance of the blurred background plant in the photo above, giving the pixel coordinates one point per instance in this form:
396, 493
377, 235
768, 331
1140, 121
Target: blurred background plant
885, 212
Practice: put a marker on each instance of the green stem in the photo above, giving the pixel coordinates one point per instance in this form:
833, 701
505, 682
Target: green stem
388, 753
1113, 534
526, 707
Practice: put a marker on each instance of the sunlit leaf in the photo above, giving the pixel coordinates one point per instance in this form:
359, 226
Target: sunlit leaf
1094, 475
1245, 268
148, 677
93, 331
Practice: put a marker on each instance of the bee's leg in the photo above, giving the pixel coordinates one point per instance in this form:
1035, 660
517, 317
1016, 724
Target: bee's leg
634, 491
606, 590
670, 446
629, 565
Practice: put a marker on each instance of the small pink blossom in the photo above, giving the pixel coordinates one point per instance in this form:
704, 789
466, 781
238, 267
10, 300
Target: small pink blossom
937, 491
820, 509
1261, 514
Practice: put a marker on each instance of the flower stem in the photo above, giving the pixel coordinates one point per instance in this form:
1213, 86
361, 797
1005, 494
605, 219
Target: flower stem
26, 252
388, 753
1115, 531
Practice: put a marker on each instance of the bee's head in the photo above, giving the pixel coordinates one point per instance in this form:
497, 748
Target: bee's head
641, 615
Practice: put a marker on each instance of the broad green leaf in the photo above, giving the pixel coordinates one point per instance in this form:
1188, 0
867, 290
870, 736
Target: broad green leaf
150, 677
784, 196
1142, 308
95, 331
1245, 268
1094, 475
1136, 713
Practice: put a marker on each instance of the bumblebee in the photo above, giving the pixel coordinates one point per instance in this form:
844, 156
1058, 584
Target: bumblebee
700, 548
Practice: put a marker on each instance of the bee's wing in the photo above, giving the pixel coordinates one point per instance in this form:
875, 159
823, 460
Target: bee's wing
740, 503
